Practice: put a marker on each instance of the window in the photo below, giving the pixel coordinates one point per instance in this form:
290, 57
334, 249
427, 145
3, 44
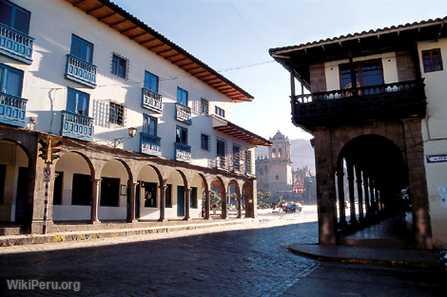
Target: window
204, 106
181, 135
219, 111
119, 66
11, 81
151, 82
2, 183
367, 73
78, 102
150, 194
193, 198
220, 148
432, 60
81, 189
150, 125
116, 114
58, 186
204, 142
81, 48
169, 196
110, 191
14, 16
182, 96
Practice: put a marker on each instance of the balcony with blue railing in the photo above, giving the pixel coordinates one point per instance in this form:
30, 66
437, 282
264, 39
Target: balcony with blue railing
16, 44
182, 152
151, 100
12, 110
150, 145
80, 71
77, 126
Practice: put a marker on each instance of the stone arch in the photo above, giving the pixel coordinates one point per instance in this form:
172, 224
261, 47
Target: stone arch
218, 188
15, 172
178, 180
235, 198
147, 192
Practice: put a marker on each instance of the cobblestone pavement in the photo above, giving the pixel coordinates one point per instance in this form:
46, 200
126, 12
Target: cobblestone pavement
252, 262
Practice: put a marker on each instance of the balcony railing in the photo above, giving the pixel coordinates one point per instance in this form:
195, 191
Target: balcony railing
152, 100
395, 100
220, 162
150, 144
12, 110
183, 113
77, 126
80, 71
182, 152
16, 44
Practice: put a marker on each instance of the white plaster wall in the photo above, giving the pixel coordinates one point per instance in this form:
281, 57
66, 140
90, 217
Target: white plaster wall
434, 130
45, 86
388, 63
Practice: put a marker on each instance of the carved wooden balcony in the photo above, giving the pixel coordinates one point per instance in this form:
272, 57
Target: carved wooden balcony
16, 44
151, 100
182, 152
339, 107
150, 144
12, 110
80, 71
77, 126
183, 113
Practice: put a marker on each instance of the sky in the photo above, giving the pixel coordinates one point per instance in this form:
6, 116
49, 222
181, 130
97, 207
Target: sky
233, 37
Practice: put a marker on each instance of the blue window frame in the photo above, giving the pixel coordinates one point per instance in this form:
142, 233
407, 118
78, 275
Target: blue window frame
205, 142
151, 81
119, 66
77, 102
150, 125
182, 96
11, 80
181, 135
81, 48
14, 16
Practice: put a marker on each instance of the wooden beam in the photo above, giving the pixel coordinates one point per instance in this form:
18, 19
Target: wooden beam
182, 62
196, 70
77, 3
165, 51
170, 58
221, 83
194, 66
139, 35
181, 58
128, 29
107, 16
158, 46
152, 42
174, 53
90, 11
116, 23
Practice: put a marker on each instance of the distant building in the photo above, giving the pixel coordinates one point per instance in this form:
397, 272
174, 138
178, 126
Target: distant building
304, 186
274, 171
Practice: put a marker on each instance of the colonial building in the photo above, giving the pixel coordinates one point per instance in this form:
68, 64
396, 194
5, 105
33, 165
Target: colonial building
274, 171
103, 118
375, 103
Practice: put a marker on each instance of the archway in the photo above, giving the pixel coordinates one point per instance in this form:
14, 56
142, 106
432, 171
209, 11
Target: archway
372, 180
15, 205
218, 199
147, 196
199, 187
234, 200
177, 185
114, 199
247, 198
72, 195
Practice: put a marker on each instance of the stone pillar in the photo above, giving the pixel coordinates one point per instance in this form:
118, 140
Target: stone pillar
326, 193
372, 197
96, 194
224, 214
350, 167
132, 207
239, 207
341, 195
187, 203
358, 173
254, 197
207, 205
162, 194
367, 201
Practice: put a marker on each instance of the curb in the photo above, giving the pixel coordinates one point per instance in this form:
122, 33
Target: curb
368, 261
99, 234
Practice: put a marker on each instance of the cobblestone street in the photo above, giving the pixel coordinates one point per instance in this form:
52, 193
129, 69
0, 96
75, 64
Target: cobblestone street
253, 262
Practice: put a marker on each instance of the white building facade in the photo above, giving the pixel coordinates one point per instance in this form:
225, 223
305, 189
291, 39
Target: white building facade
96, 77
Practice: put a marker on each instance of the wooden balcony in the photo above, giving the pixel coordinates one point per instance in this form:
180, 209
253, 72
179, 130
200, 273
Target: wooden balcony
339, 107
12, 110
77, 126
16, 44
183, 113
182, 152
150, 145
80, 71
152, 101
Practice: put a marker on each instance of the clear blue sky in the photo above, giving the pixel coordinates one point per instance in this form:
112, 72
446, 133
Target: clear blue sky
231, 33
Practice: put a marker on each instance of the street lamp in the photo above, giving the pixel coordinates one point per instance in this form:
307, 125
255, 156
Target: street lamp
131, 132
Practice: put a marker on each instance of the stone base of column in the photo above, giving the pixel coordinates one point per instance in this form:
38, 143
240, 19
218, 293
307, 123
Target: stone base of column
94, 222
132, 221
163, 220
187, 219
37, 227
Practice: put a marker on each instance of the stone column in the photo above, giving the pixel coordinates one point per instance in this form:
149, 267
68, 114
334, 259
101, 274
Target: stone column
326, 192
239, 207
224, 214
358, 173
96, 194
350, 167
367, 201
162, 194
372, 198
207, 205
341, 195
187, 203
132, 190
254, 197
